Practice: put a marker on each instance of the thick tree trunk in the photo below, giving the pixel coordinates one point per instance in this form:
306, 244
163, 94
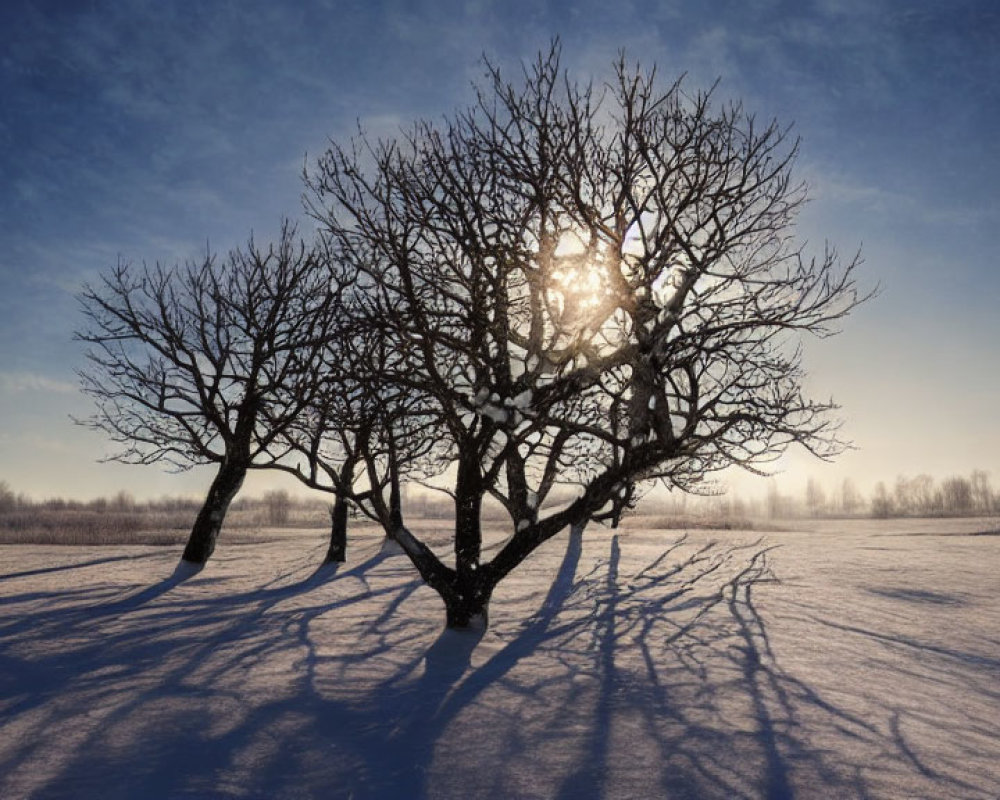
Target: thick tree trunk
337, 553
201, 542
467, 608
467, 600
466, 593
468, 519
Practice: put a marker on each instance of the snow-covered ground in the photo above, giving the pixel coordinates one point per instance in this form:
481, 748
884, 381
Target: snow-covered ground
855, 660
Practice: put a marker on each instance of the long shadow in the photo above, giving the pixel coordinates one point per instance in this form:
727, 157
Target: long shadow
422, 710
76, 565
62, 618
395, 758
95, 673
972, 659
387, 738
265, 597
760, 681
674, 647
694, 757
590, 778
183, 571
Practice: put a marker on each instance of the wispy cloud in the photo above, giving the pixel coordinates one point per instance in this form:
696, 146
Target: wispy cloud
21, 382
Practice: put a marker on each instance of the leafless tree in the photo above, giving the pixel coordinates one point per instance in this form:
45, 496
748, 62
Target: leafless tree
982, 492
957, 495
8, 500
850, 497
277, 507
361, 435
593, 287
815, 497
882, 505
207, 363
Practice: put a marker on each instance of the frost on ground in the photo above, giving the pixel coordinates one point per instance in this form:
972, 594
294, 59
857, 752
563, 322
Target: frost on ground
857, 660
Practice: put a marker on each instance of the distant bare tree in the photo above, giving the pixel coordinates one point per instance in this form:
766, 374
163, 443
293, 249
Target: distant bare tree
208, 363
916, 495
815, 497
278, 506
957, 495
882, 505
982, 493
850, 497
8, 500
592, 289
925, 495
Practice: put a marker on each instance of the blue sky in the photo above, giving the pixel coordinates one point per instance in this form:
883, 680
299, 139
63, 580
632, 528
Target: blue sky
145, 129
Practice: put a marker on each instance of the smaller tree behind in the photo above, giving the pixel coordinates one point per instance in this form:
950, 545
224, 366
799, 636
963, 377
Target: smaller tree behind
208, 363
362, 435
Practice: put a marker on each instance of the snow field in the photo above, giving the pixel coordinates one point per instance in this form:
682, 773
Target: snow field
855, 660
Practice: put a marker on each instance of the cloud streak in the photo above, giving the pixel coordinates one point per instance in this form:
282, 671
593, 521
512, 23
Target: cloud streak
12, 383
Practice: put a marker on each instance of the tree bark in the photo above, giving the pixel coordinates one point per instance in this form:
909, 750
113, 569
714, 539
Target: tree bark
337, 553
227, 482
467, 608
467, 601
468, 518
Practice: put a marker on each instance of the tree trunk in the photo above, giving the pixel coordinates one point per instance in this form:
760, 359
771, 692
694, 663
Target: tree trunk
338, 532
467, 600
201, 542
467, 608
468, 519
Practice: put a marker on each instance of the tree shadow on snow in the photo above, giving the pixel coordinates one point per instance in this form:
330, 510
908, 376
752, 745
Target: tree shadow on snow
154, 677
631, 679
76, 565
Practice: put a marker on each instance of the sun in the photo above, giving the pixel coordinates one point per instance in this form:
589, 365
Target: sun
577, 288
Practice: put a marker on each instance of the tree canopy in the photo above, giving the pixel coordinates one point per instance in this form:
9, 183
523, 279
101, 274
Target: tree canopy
209, 362
594, 286
566, 286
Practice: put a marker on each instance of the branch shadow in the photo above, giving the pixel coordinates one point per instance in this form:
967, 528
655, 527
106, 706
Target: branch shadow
631, 679
74, 566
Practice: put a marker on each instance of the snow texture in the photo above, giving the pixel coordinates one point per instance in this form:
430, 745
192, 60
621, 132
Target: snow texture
859, 660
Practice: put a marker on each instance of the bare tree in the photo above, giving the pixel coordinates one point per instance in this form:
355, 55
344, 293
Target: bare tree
8, 500
277, 507
925, 496
361, 436
850, 497
815, 497
957, 495
208, 363
982, 492
593, 288
882, 505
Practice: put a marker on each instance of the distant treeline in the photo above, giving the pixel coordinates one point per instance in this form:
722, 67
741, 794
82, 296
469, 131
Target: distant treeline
960, 495
274, 508
919, 496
